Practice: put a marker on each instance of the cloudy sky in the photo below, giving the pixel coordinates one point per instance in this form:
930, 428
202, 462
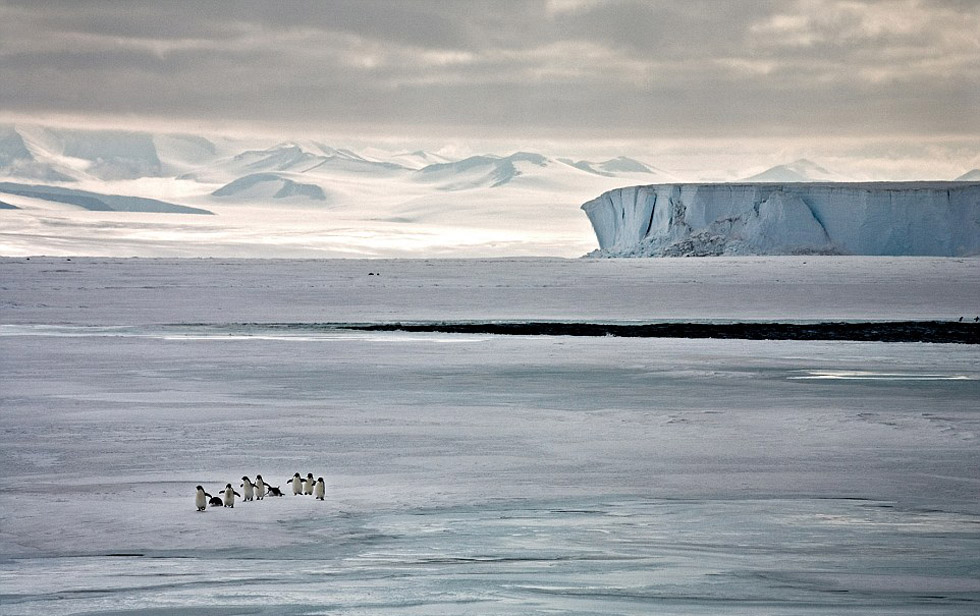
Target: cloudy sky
899, 74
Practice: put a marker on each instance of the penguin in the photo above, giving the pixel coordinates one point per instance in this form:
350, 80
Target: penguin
308, 484
319, 489
201, 499
275, 491
259, 487
249, 489
215, 501
230, 495
297, 482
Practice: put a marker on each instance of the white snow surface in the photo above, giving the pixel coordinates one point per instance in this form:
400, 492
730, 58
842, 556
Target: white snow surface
878, 218
479, 474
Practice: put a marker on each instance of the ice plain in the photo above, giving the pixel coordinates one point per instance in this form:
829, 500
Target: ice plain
485, 474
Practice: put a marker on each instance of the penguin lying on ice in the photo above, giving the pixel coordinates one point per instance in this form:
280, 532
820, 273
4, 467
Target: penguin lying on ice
215, 501
275, 491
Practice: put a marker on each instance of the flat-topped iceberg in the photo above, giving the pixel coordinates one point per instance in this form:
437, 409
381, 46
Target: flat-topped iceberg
876, 218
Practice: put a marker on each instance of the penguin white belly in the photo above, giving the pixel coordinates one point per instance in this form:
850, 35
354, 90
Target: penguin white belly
201, 499
229, 498
248, 491
319, 490
297, 486
260, 490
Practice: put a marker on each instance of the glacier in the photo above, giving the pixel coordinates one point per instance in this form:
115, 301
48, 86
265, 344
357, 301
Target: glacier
874, 218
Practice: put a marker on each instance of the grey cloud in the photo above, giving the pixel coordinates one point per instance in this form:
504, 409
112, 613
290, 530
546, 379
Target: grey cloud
694, 68
423, 23
696, 28
173, 19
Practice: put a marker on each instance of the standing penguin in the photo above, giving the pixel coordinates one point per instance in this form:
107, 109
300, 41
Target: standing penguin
230, 495
201, 499
297, 482
308, 484
249, 489
259, 487
319, 489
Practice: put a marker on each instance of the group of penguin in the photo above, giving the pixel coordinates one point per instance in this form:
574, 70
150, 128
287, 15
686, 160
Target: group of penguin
259, 490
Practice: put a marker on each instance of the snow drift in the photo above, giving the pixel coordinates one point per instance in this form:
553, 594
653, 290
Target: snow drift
879, 218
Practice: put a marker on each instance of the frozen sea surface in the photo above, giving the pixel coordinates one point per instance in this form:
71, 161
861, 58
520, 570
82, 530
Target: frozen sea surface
481, 474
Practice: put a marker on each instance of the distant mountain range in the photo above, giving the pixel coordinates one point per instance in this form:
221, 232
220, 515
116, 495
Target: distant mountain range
123, 193
300, 170
296, 172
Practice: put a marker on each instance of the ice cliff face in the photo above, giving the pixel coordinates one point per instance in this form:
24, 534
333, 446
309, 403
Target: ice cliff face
879, 218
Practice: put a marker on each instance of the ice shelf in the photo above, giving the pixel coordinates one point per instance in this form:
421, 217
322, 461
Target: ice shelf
877, 218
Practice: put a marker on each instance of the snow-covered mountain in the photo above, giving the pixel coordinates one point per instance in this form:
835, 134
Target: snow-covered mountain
875, 218
12, 148
62, 155
801, 170
18, 161
296, 158
481, 171
620, 166
973, 175
526, 169
265, 186
417, 159
114, 155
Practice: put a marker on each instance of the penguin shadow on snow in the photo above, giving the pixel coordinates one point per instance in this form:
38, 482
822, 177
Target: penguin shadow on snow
258, 490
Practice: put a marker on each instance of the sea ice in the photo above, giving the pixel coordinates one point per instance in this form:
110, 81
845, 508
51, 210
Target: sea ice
479, 474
